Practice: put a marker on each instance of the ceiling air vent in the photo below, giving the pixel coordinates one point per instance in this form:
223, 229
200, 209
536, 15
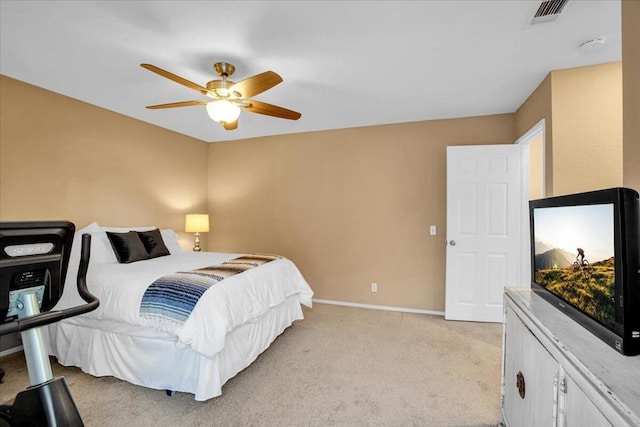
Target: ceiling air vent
548, 11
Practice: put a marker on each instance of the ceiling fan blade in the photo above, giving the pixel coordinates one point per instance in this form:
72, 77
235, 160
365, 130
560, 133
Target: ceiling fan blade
254, 85
231, 126
270, 110
177, 104
175, 78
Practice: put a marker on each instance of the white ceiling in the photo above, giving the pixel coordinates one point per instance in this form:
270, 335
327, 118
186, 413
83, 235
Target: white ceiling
344, 63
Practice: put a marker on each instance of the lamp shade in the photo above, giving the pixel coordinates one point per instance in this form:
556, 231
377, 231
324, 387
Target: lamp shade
196, 223
223, 111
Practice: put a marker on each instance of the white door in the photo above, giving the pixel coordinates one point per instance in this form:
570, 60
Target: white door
484, 237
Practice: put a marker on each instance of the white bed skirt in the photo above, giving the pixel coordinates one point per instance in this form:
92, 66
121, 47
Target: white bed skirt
152, 359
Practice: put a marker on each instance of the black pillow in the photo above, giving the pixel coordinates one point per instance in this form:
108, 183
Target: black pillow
153, 243
128, 247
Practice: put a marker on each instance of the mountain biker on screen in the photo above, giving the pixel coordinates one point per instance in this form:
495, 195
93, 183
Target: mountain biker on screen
580, 256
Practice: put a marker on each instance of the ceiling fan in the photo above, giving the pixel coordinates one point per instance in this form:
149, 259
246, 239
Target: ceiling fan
227, 97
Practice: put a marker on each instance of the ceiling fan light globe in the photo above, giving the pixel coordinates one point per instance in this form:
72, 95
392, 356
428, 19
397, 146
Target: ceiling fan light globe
223, 111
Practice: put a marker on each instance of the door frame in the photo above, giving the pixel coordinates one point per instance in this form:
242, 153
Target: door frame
537, 130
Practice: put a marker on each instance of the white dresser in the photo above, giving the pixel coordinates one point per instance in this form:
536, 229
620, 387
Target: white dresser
556, 373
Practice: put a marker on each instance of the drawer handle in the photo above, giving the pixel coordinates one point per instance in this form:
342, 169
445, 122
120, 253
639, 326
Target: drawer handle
520, 384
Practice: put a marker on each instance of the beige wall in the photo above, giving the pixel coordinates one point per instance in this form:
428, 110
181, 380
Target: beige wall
349, 207
587, 128
631, 97
64, 159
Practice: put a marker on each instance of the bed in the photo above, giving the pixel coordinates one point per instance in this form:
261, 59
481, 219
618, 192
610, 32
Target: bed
231, 324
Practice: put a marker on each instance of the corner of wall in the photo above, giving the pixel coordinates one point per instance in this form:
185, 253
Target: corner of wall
536, 107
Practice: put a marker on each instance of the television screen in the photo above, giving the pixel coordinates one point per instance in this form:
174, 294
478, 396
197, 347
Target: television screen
574, 257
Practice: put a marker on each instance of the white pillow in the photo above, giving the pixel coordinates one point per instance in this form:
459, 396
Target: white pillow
170, 238
101, 249
101, 252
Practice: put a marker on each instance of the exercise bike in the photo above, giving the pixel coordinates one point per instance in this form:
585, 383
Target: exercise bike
34, 257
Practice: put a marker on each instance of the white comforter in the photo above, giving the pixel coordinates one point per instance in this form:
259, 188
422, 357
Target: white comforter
223, 307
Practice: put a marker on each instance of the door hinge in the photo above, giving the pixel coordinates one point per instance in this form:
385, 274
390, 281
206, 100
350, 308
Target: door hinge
555, 399
562, 401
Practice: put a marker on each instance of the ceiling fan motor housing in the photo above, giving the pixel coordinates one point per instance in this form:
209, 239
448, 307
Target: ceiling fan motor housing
221, 88
224, 69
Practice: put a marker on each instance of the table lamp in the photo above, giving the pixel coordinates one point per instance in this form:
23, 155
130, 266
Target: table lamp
196, 223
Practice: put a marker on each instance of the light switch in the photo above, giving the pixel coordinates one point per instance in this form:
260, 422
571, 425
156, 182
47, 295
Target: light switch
432, 230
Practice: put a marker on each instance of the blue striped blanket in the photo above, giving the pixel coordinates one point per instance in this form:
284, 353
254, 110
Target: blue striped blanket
174, 296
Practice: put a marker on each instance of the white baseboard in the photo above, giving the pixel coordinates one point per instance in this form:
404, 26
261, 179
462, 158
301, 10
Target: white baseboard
379, 307
10, 351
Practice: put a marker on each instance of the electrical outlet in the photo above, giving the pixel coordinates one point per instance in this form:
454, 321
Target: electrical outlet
432, 230
374, 287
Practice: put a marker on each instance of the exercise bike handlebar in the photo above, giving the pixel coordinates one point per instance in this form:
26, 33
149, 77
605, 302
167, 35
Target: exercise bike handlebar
46, 318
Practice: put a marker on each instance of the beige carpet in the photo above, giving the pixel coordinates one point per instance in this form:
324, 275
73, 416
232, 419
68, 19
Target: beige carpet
341, 366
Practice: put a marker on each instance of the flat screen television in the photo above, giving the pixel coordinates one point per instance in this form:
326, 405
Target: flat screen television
585, 251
